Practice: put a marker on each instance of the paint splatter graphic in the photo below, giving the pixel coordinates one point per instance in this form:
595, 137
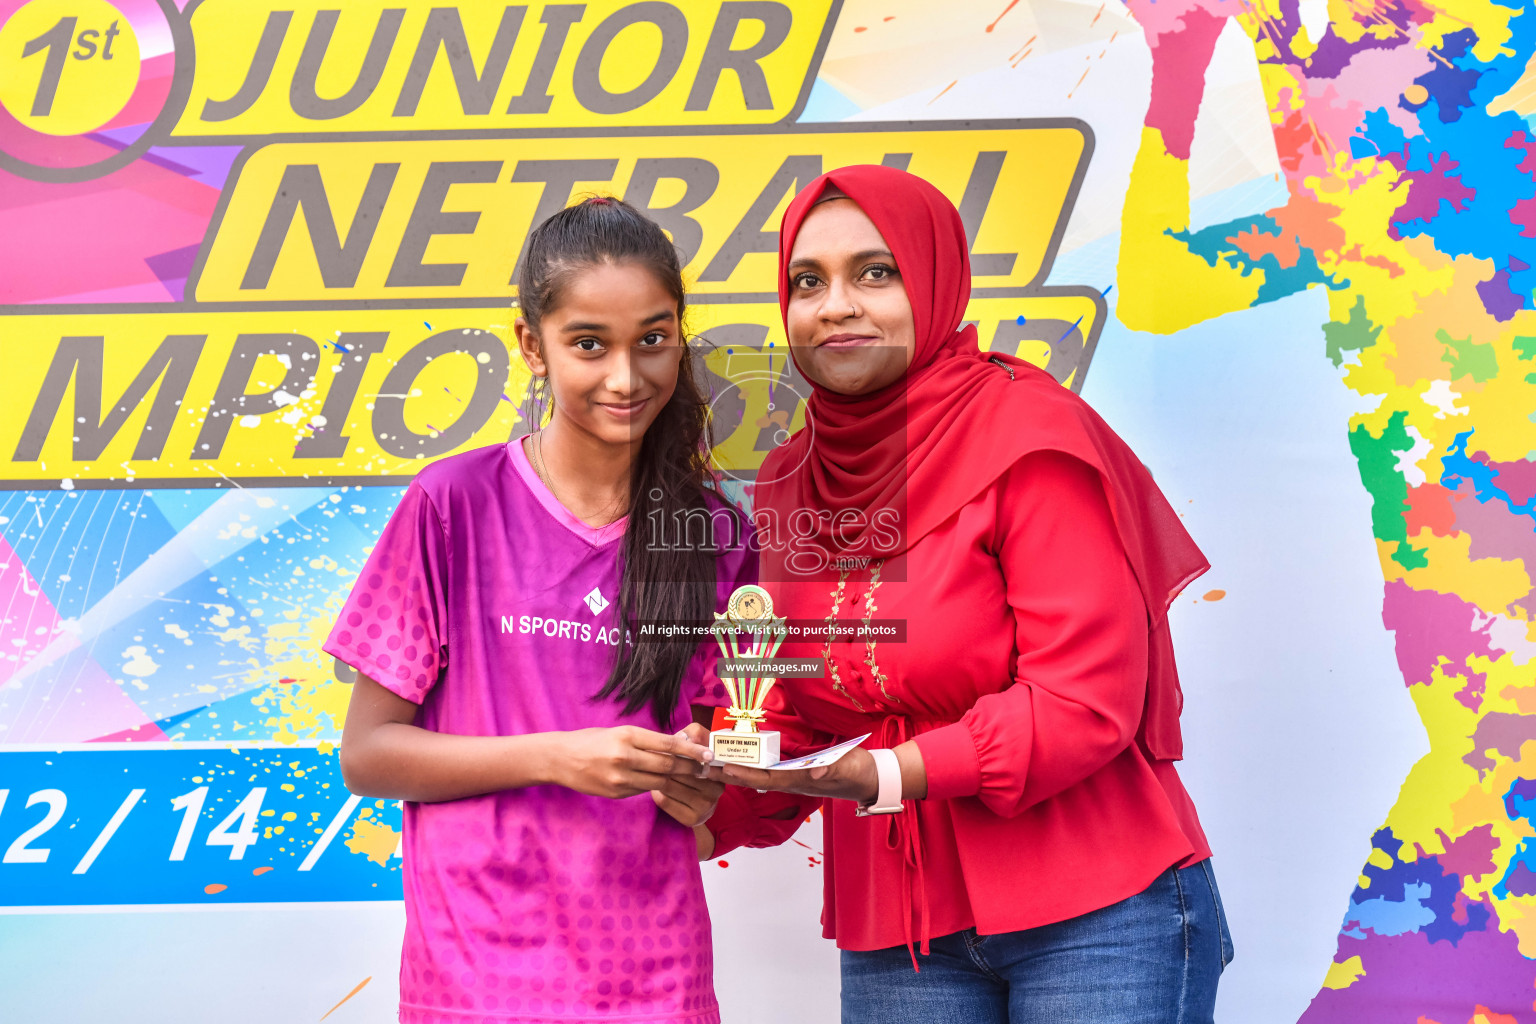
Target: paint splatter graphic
349, 995
196, 616
178, 614
375, 840
1403, 135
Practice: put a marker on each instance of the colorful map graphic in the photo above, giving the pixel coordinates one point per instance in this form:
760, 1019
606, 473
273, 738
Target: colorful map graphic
1403, 131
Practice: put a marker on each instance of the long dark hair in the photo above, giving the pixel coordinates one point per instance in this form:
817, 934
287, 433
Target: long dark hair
661, 584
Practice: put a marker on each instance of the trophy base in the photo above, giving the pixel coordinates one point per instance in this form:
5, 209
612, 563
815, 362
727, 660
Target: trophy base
753, 749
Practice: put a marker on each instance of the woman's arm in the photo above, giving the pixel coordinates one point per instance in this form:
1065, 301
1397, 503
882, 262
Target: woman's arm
758, 820
1080, 679
754, 820
850, 777
1081, 629
385, 754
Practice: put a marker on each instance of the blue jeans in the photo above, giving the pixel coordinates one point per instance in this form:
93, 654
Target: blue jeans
1151, 959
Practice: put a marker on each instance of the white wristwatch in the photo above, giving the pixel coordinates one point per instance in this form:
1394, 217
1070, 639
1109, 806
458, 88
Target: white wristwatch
888, 793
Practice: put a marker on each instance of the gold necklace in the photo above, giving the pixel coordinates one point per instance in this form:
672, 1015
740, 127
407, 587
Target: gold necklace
538, 462
869, 640
542, 469
826, 651
869, 634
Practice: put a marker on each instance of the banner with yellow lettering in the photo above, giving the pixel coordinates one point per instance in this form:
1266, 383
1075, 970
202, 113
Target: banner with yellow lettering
256, 271
260, 273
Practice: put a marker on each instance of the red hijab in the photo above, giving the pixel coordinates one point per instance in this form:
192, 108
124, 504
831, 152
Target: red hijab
956, 421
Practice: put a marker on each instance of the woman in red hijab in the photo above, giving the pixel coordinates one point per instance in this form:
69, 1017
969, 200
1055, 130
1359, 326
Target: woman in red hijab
998, 566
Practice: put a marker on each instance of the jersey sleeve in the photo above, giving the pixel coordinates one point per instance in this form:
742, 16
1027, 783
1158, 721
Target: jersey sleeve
393, 626
1080, 679
736, 567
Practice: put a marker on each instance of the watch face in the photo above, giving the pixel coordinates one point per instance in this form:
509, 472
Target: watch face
750, 604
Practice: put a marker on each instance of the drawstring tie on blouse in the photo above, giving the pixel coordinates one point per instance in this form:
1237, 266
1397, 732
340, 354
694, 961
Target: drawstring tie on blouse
904, 833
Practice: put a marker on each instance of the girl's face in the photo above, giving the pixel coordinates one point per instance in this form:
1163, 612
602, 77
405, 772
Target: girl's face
849, 320
610, 350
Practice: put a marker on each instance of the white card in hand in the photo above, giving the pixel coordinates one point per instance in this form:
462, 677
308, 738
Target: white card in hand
820, 759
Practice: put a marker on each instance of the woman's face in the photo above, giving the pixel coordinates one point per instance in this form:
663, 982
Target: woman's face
850, 323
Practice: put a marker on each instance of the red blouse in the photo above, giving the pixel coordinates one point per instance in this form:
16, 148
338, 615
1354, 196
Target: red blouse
1023, 677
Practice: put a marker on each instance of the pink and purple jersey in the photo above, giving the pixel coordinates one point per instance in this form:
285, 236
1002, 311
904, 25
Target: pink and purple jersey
494, 608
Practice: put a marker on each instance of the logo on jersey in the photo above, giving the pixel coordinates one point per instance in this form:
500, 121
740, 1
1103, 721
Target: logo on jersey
596, 601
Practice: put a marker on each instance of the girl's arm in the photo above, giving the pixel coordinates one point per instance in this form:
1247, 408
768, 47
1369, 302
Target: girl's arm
385, 754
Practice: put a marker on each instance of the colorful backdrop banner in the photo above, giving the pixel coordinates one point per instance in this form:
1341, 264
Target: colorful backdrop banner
257, 271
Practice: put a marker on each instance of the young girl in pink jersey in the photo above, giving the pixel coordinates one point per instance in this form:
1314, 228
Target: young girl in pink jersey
550, 869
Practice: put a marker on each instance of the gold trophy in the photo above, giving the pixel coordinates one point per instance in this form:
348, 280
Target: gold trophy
749, 611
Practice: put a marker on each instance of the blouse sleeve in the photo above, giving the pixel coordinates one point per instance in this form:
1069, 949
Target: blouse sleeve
394, 626
745, 817
1080, 626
